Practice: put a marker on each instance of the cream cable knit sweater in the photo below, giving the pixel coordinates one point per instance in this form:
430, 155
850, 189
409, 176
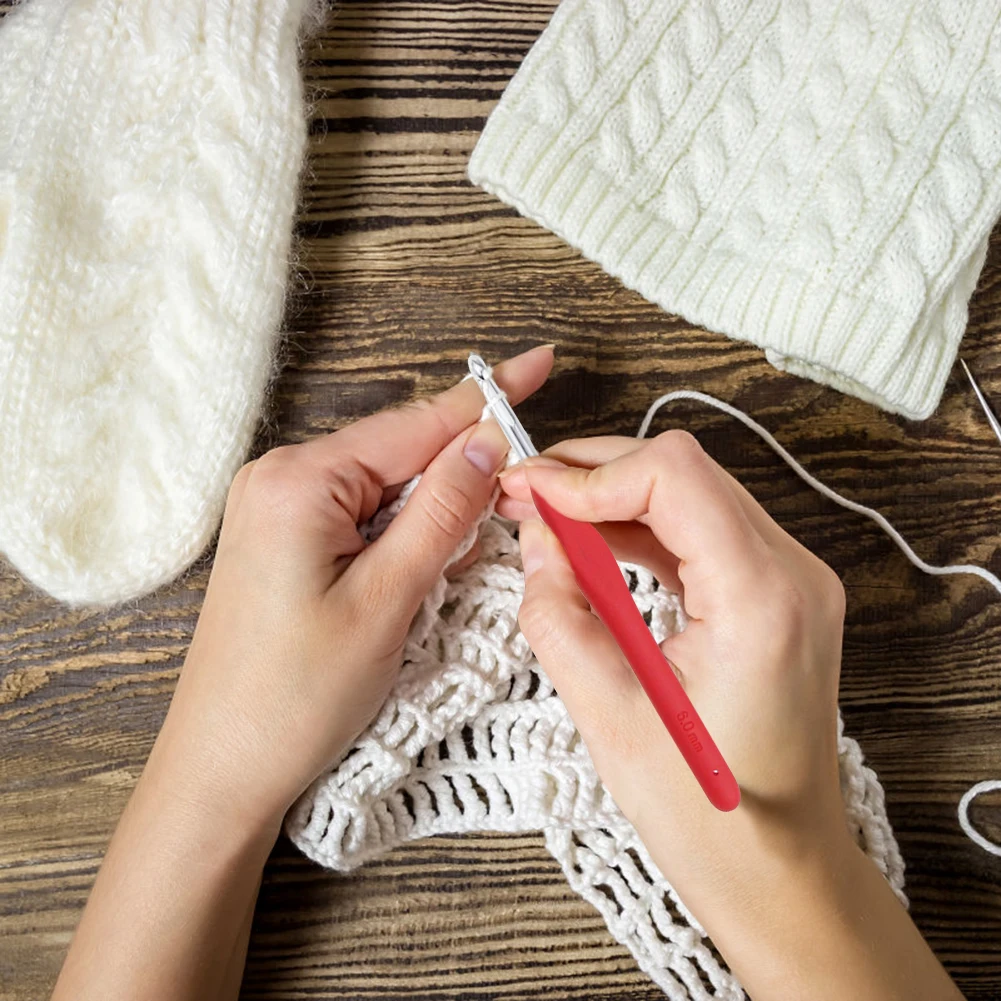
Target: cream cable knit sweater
818, 178
149, 154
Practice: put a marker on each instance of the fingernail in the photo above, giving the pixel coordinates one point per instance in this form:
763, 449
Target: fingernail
511, 472
549, 347
533, 545
486, 447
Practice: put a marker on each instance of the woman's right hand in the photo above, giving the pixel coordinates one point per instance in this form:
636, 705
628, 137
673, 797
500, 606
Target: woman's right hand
789, 899
760, 657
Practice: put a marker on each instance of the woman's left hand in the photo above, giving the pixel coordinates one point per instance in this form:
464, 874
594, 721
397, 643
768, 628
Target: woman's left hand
302, 630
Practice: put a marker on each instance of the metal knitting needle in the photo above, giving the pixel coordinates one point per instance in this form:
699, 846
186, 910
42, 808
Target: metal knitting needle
501, 410
988, 412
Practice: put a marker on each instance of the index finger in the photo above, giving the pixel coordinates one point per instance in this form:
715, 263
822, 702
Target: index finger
395, 445
671, 485
598, 451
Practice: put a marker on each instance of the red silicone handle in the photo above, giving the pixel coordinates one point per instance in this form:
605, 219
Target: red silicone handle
601, 582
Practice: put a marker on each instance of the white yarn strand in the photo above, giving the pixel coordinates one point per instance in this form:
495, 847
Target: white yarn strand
988, 785
821, 488
881, 520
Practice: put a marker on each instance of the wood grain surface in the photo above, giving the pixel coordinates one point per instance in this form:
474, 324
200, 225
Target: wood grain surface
404, 267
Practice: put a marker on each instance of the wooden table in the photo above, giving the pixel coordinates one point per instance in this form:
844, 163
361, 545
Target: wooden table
406, 267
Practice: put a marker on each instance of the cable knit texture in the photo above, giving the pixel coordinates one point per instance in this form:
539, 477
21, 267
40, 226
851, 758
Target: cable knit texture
817, 178
473, 737
149, 155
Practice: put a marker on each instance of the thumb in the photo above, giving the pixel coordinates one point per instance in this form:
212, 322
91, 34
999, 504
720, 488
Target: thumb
409, 557
572, 645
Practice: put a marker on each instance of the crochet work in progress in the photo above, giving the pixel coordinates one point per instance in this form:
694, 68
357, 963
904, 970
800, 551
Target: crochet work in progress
149, 157
473, 737
817, 178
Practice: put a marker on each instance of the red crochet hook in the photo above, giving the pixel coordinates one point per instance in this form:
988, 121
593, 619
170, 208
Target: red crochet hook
601, 582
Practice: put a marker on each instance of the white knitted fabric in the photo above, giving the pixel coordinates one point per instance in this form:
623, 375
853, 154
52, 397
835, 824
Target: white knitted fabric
149, 155
817, 178
473, 737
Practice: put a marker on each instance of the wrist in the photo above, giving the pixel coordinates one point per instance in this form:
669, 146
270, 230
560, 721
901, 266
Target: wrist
810, 917
177, 836
777, 911
725, 858
184, 781
773, 874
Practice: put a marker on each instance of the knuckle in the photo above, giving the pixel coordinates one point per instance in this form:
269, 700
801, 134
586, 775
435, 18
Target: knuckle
273, 466
240, 480
418, 405
350, 487
538, 624
587, 485
780, 594
278, 456
449, 507
427, 408
678, 445
801, 596
832, 590
760, 570
275, 485
795, 603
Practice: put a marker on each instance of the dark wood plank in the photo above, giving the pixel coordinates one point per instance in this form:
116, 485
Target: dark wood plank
405, 267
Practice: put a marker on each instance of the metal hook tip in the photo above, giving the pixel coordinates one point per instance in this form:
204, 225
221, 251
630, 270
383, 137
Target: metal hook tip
478, 368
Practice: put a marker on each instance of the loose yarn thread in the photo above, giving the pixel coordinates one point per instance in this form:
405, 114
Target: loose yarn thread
988, 785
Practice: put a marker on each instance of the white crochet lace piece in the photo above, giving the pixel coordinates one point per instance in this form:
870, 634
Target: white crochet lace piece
473, 737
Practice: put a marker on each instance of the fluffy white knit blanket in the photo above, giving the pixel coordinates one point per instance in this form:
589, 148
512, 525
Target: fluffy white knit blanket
474, 738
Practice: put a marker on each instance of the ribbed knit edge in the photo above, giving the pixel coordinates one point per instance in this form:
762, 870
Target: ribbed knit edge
822, 332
